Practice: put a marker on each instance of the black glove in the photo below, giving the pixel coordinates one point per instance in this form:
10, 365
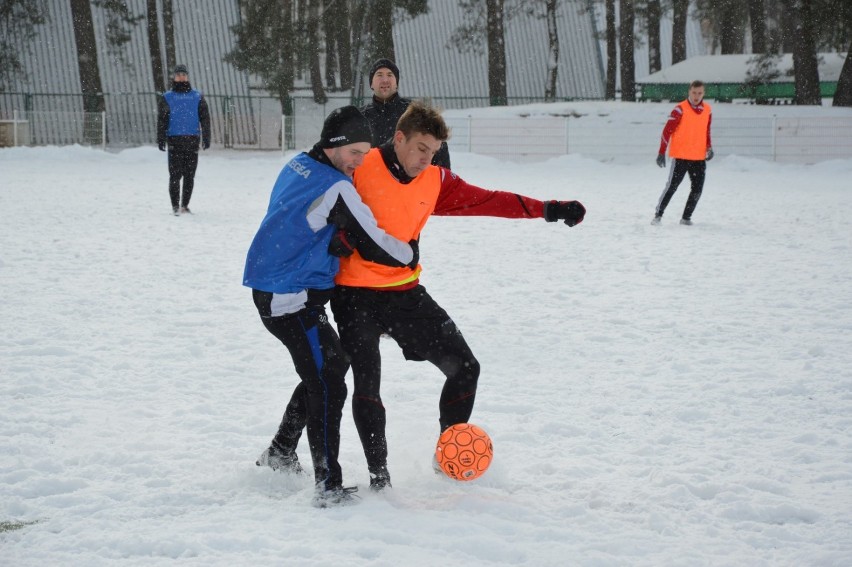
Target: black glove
572, 212
162, 146
340, 245
206, 145
709, 154
415, 247
661, 160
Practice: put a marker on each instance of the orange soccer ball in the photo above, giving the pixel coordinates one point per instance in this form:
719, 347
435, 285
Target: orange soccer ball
464, 452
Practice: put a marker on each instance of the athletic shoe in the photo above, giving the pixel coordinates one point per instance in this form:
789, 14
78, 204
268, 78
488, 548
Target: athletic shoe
656, 220
185, 211
278, 461
340, 496
175, 211
687, 222
378, 482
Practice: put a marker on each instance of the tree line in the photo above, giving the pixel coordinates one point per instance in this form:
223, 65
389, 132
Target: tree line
801, 27
281, 41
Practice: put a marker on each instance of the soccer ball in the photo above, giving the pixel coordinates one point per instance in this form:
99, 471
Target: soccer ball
464, 452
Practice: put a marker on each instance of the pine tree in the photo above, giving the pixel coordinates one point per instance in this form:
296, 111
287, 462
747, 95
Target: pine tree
19, 19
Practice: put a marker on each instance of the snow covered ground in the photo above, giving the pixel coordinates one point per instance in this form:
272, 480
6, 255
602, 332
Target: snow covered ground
656, 395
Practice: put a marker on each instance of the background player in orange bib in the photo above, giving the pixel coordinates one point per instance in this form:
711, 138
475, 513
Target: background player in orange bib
687, 137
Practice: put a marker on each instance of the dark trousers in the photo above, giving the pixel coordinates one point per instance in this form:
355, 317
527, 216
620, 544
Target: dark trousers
317, 402
679, 168
424, 331
182, 165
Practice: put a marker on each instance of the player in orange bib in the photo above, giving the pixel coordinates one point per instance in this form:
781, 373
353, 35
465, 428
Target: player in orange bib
687, 137
403, 189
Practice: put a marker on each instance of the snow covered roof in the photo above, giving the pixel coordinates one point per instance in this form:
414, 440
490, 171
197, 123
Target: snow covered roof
734, 68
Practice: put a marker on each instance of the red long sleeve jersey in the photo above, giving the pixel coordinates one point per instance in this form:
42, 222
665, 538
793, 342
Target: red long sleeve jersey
460, 198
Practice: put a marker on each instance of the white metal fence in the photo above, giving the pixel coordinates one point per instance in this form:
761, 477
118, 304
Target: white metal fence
782, 139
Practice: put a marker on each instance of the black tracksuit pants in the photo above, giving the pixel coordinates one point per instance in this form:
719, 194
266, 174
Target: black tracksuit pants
182, 165
318, 400
424, 331
679, 168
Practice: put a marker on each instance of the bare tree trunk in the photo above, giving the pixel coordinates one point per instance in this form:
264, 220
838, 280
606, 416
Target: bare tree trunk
344, 44
788, 28
360, 56
757, 21
628, 65
843, 94
731, 28
496, 53
681, 9
287, 73
169, 32
87, 65
805, 63
654, 15
313, 52
553, 59
331, 27
154, 46
611, 50
301, 45
382, 20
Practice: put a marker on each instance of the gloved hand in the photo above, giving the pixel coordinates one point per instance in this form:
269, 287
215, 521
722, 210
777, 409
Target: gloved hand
709, 154
162, 146
415, 247
340, 245
572, 212
661, 160
206, 145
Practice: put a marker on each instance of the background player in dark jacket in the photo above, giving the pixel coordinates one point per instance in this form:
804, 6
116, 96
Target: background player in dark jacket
183, 121
387, 106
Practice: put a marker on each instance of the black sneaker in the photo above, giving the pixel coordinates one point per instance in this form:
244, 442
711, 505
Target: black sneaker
687, 222
339, 496
380, 481
278, 461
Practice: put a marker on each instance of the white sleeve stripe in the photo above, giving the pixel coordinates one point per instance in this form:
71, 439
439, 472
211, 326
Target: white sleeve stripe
364, 216
320, 209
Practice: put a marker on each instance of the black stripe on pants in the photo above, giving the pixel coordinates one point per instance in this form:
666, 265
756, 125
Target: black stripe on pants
424, 331
318, 400
679, 168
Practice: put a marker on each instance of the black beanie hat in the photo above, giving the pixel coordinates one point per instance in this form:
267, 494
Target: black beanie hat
384, 63
345, 126
181, 69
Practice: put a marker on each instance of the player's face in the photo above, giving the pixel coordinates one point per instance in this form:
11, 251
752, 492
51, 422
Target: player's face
696, 95
346, 158
181, 77
384, 83
415, 152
